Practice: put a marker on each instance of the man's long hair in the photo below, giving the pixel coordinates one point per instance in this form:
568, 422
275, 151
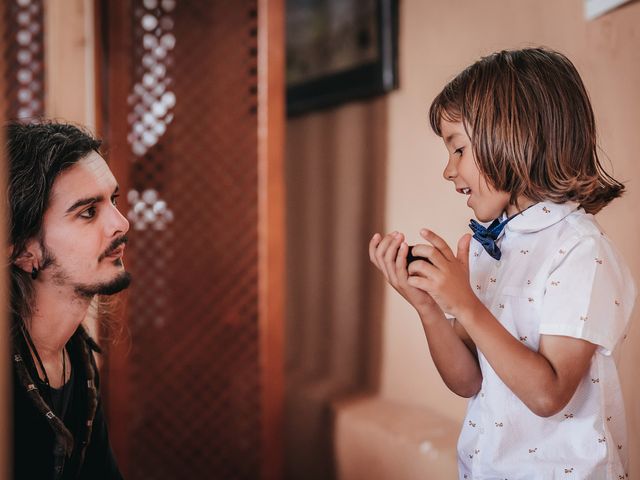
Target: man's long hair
38, 153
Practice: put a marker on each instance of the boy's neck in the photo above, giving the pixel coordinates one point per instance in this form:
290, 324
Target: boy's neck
522, 204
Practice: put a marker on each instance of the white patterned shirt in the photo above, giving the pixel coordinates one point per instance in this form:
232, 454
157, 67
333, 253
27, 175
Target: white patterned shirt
558, 275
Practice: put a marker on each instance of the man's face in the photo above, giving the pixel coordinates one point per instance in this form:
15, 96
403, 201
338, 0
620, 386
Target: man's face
84, 233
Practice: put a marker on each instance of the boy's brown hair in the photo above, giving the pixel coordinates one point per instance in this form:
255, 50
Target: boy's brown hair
531, 126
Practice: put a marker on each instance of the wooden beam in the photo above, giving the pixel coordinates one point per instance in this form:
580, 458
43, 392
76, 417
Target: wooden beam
69, 61
271, 230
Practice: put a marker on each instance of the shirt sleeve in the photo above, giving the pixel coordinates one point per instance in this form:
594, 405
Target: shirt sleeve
589, 293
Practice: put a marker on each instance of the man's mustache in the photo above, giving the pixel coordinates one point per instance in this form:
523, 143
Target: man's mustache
115, 244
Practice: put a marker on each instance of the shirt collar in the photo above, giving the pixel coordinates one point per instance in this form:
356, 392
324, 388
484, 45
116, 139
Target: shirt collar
540, 216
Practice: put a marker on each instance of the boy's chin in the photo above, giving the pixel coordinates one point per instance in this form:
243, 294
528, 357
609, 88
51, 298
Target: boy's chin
484, 217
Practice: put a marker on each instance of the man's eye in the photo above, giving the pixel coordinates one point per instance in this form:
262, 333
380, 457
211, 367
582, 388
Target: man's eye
114, 200
89, 213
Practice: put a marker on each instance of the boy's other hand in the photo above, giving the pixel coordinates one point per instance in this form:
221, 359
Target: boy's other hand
389, 255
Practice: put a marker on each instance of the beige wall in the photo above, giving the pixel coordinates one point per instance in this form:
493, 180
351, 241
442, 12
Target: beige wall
334, 199
438, 39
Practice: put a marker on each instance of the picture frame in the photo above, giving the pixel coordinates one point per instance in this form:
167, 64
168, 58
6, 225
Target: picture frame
339, 51
596, 8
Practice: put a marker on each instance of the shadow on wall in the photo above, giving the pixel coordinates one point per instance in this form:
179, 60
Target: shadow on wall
335, 174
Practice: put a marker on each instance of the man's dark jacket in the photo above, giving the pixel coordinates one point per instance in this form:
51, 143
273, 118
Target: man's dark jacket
46, 447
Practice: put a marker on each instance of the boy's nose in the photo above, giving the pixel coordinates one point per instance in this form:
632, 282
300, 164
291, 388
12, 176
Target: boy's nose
449, 172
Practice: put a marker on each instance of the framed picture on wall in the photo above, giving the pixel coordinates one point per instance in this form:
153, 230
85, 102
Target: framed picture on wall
597, 8
339, 50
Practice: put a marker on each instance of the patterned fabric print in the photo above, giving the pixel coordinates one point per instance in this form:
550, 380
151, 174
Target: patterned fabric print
559, 275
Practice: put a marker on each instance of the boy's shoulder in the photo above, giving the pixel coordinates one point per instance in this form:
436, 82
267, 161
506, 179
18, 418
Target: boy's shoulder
581, 232
554, 224
565, 230
583, 224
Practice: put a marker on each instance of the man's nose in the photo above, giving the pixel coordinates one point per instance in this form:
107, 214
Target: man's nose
119, 224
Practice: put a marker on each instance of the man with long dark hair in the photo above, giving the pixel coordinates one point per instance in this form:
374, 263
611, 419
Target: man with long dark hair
66, 243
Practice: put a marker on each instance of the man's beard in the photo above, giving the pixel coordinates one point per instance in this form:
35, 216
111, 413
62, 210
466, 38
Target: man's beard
111, 287
60, 277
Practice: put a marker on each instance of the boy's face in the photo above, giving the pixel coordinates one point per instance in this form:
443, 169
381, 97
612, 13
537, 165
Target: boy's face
487, 204
84, 233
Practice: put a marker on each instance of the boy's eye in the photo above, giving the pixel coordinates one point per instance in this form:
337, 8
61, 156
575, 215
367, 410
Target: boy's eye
89, 213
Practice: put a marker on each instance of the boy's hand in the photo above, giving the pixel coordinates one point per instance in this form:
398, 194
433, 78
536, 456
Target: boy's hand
447, 279
389, 255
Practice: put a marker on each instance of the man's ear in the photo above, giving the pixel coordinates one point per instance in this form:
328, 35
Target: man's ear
29, 258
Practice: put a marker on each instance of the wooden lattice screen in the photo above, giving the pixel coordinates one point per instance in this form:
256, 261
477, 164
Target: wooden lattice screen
196, 393
23, 58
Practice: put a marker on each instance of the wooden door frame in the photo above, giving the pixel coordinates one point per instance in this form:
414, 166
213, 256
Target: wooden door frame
271, 229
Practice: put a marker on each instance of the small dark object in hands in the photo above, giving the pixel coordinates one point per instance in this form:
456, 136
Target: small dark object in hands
412, 258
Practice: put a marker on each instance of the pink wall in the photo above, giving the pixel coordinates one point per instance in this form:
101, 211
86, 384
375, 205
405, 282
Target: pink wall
438, 39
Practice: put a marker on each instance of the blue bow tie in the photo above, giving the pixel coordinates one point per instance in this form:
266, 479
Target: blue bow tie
487, 236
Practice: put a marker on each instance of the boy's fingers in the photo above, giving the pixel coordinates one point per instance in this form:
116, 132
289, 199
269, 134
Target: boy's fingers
463, 250
390, 258
437, 242
373, 244
401, 261
429, 251
381, 251
422, 268
419, 282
